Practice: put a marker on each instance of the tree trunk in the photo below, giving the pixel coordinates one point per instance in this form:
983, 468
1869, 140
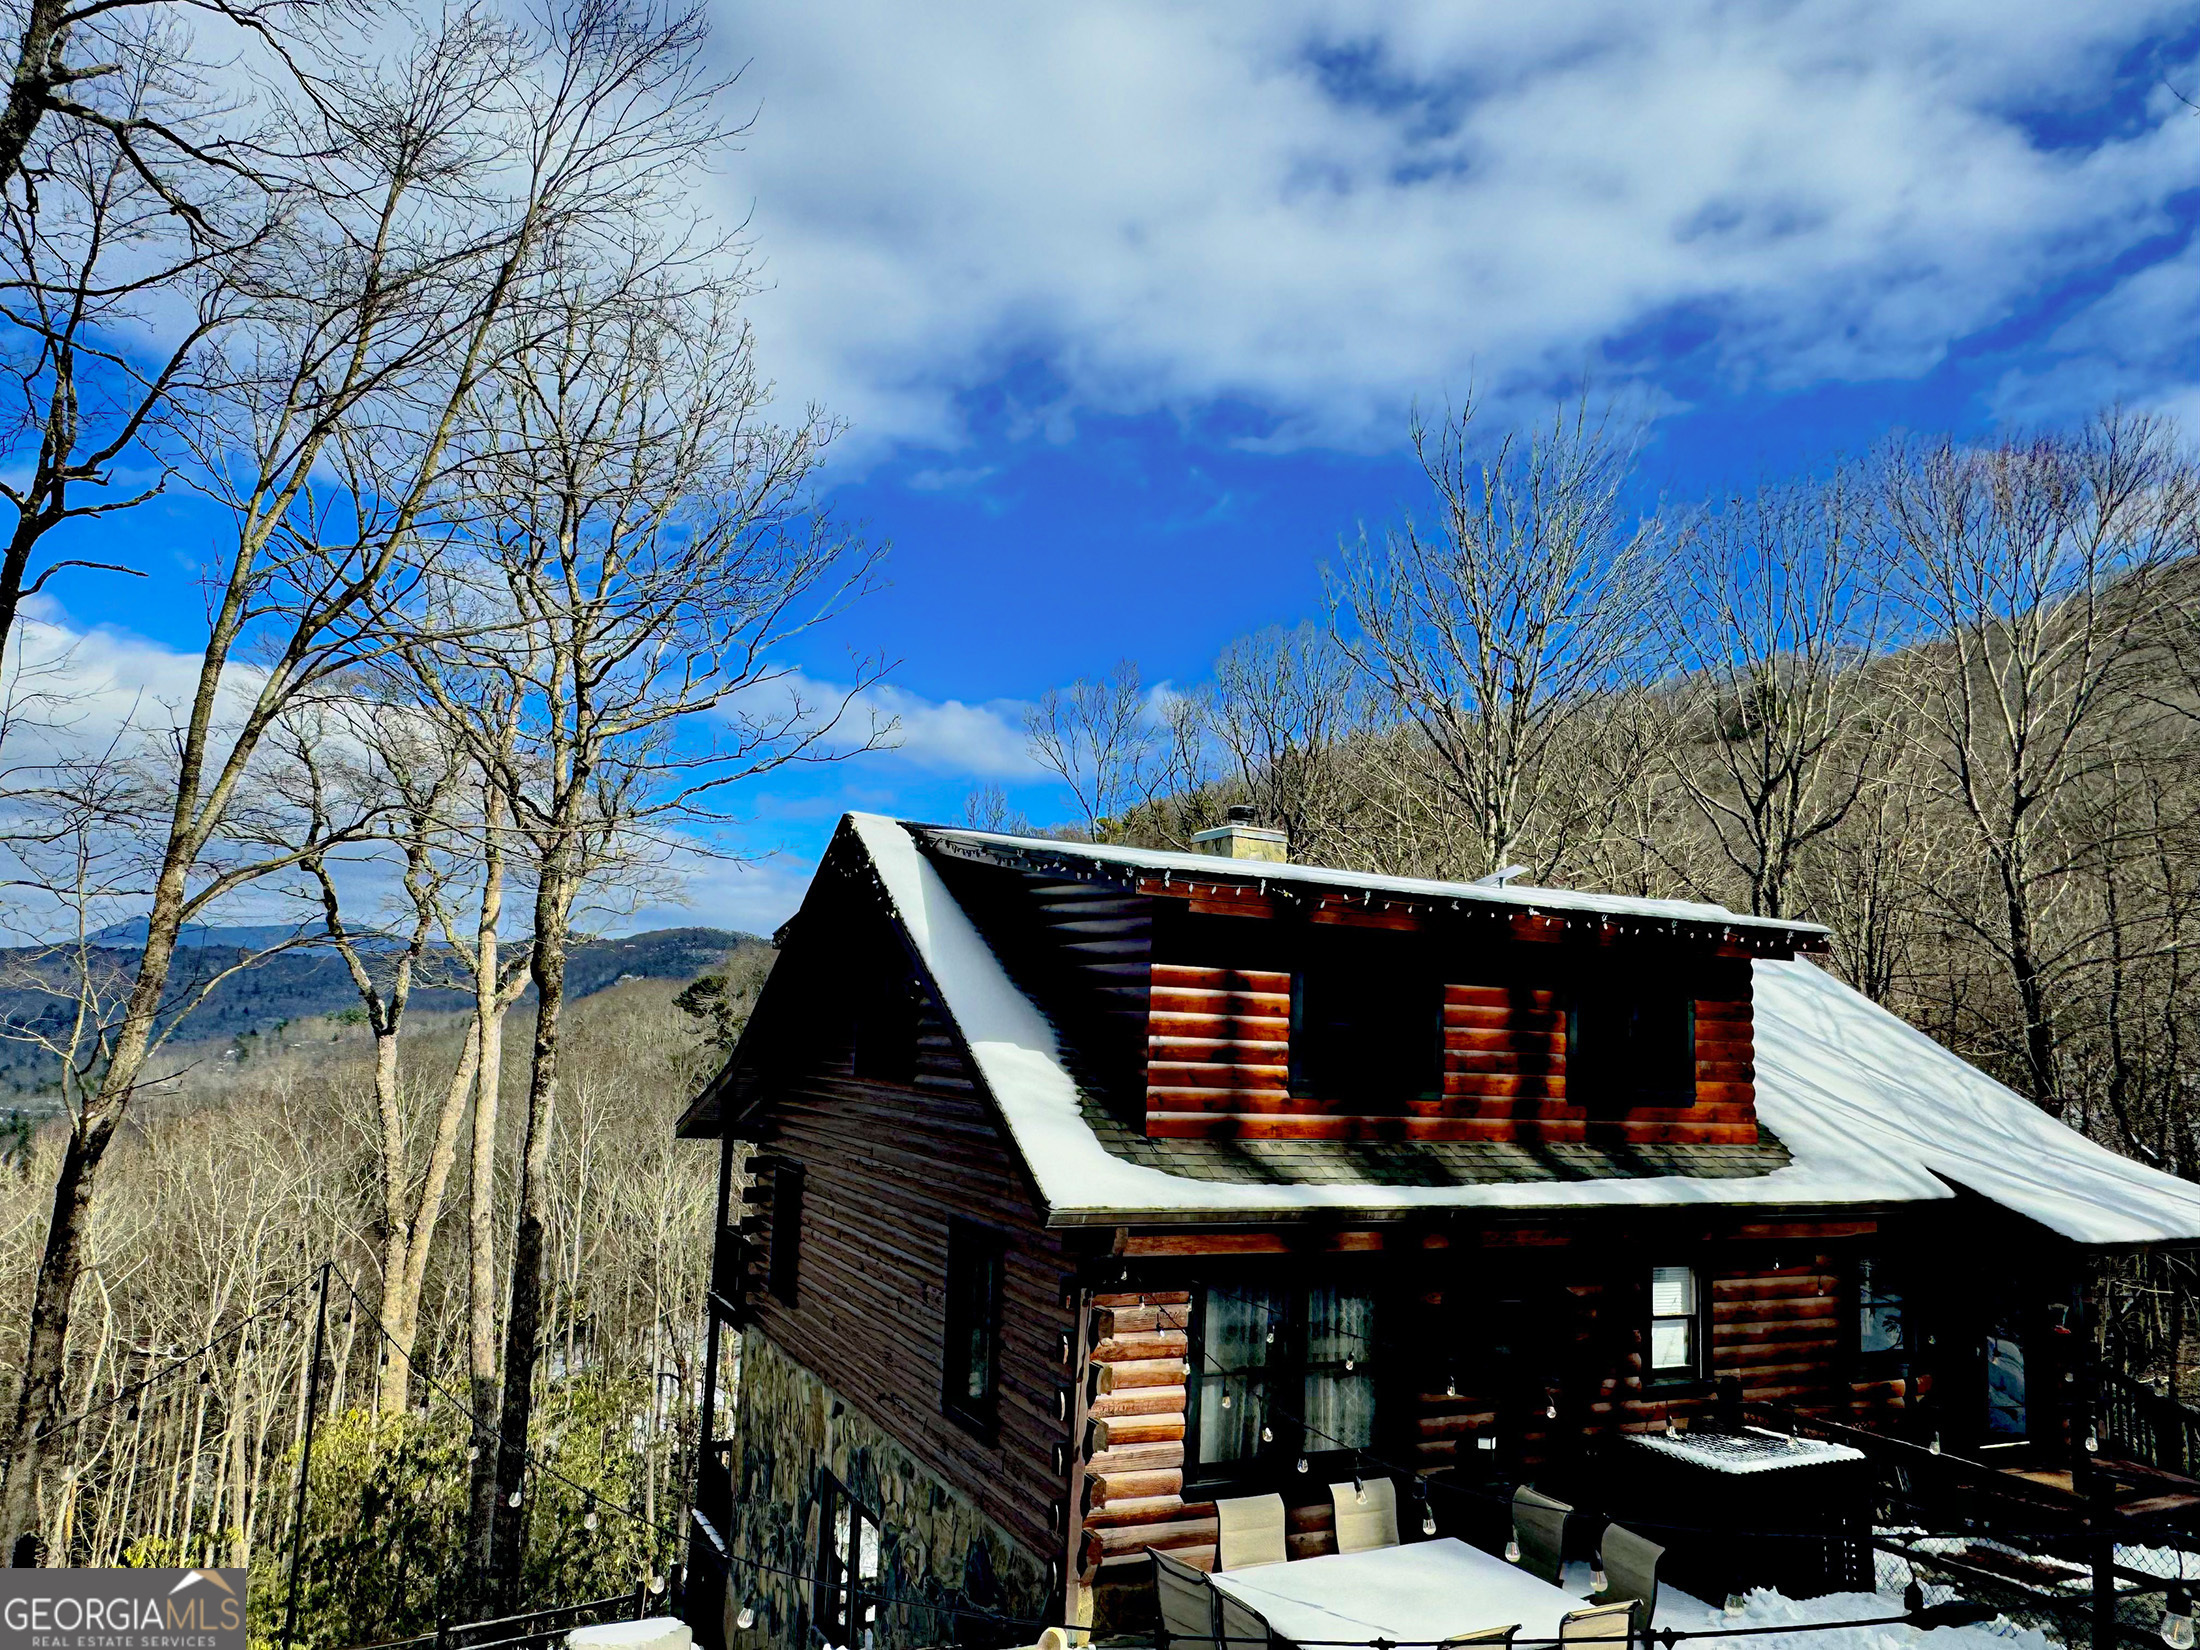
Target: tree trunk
523, 1321
481, 1339
405, 1254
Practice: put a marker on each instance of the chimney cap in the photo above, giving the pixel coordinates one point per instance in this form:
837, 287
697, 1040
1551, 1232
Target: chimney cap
1240, 813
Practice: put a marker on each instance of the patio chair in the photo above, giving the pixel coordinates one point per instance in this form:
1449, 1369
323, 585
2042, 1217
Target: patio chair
1187, 1602
1539, 1525
1484, 1636
1252, 1532
1243, 1627
1365, 1521
1599, 1624
1630, 1566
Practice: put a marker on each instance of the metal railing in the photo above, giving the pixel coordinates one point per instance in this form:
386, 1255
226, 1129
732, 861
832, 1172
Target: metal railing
2148, 1426
529, 1630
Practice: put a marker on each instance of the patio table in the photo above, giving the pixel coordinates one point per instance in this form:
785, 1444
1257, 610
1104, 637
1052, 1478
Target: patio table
1426, 1591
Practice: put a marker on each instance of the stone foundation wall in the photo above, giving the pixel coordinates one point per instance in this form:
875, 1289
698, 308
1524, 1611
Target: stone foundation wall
937, 1548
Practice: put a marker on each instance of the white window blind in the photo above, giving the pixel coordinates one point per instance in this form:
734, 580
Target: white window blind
1673, 1338
1672, 1291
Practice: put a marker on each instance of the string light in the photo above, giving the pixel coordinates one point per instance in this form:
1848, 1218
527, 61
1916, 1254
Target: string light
1267, 1434
1736, 1606
1598, 1581
1302, 1463
589, 1520
2177, 1620
1225, 1400
1512, 1546
512, 1500
747, 1618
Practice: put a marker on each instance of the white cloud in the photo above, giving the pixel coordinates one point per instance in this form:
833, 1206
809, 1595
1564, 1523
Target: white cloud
1325, 209
951, 736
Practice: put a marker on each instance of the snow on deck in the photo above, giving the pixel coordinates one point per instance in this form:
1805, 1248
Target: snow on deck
1872, 1110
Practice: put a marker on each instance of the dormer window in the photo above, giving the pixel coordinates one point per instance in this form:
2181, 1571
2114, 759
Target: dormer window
1365, 1034
1630, 1043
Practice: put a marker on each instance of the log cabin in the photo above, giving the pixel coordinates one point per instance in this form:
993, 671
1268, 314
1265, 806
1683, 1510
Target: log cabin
1065, 1188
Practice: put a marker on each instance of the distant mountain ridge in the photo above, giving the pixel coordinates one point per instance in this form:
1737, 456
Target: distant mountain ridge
303, 983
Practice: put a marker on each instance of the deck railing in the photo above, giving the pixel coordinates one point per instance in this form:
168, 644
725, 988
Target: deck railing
2147, 1426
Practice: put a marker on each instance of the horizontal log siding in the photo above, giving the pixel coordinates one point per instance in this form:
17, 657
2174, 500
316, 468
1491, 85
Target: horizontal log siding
1134, 1471
885, 1166
1218, 1042
1219, 1067
1782, 1330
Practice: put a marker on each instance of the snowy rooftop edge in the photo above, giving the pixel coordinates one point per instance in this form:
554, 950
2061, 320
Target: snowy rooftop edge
1522, 896
1872, 1110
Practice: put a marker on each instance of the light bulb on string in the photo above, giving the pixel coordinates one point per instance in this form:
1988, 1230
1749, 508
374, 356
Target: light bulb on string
1271, 1335
1936, 1443
1736, 1606
1512, 1546
747, 1618
1302, 1463
512, 1500
1428, 1520
1267, 1434
1225, 1400
1451, 1386
1598, 1581
1348, 1366
2177, 1620
656, 1583
589, 1520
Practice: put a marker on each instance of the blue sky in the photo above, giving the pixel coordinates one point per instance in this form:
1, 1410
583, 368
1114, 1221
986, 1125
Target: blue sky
1126, 304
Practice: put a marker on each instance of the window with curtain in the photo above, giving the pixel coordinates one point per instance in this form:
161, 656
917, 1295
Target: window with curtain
1296, 1366
1676, 1350
1880, 1308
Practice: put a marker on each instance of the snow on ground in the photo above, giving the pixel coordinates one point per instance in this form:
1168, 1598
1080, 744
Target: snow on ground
1766, 1608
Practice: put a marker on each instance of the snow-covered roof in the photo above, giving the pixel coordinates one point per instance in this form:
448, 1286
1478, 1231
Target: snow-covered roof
1872, 1111
1520, 896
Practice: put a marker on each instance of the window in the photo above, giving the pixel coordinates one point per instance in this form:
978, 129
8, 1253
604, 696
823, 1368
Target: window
1632, 1045
1283, 1372
786, 1230
1676, 1324
844, 1594
970, 1384
1366, 1033
1881, 1331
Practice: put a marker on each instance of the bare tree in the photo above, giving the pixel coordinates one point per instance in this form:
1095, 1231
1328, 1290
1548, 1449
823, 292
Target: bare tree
1772, 612
1096, 736
408, 780
82, 255
643, 546
1511, 620
1284, 704
447, 180
2034, 568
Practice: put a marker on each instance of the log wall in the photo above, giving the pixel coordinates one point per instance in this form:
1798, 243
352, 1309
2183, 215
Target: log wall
1778, 1305
1218, 1053
885, 1166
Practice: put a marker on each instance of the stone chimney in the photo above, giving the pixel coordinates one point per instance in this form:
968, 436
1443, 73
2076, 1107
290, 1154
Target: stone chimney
1242, 839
